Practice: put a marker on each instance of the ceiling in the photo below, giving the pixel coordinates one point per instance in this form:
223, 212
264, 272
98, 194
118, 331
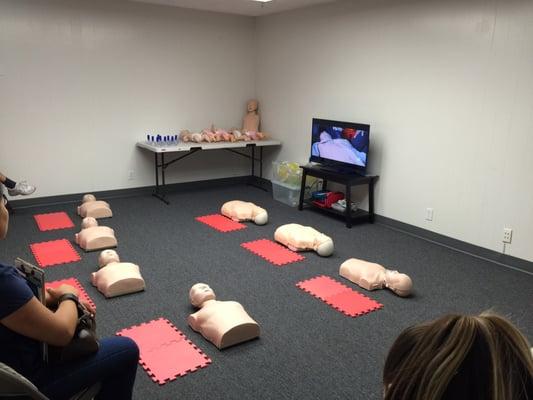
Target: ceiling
242, 7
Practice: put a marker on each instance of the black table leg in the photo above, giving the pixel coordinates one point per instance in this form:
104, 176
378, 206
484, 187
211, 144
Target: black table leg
302, 191
253, 161
348, 210
261, 162
371, 201
160, 190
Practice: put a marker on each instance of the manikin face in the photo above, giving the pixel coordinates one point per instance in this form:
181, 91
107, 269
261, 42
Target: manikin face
107, 257
252, 105
88, 222
200, 293
88, 197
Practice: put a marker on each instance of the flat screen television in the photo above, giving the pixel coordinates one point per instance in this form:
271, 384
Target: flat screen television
341, 146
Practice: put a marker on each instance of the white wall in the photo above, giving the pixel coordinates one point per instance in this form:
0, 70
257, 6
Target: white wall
81, 81
447, 87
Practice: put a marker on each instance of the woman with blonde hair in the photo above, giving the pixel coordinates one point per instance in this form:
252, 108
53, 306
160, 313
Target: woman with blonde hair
460, 357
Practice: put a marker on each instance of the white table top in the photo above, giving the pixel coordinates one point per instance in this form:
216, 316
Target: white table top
187, 146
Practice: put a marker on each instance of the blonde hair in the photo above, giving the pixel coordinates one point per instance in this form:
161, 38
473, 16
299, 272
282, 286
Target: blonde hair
460, 357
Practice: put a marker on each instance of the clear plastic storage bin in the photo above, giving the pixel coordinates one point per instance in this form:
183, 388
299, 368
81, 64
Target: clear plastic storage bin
287, 194
286, 180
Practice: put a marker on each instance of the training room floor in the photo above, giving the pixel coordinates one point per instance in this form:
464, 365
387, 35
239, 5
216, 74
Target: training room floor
307, 350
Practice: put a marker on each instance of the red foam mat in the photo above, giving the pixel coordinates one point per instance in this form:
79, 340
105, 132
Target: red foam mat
338, 296
353, 303
165, 352
72, 282
221, 223
322, 287
50, 221
272, 252
54, 252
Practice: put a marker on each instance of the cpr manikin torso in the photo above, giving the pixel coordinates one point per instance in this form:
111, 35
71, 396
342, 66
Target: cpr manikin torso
371, 276
115, 278
94, 237
94, 208
298, 237
244, 211
224, 323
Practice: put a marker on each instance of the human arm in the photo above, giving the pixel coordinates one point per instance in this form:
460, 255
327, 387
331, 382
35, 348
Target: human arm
36, 321
4, 218
51, 301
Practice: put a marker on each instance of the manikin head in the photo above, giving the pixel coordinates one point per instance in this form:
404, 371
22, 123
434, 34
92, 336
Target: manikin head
325, 248
88, 222
107, 257
200, 293
399, 283
88, 197
261, 218
252, 105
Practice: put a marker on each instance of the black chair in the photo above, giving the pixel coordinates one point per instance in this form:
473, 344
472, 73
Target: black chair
14, 386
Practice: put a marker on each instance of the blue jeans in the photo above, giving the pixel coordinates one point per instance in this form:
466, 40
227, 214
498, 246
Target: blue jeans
114, 366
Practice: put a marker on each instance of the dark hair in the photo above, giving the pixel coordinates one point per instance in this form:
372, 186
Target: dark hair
460, 357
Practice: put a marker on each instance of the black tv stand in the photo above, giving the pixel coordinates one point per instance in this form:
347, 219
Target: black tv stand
336, 170
347, 178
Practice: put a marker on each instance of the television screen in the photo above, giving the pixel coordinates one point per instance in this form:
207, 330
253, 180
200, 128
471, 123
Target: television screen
343, 143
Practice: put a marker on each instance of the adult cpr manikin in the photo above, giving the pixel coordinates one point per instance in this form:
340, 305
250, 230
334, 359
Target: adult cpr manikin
224, 323
94, 208
298, 237
371, 276
115, 278
244, 211
94, 237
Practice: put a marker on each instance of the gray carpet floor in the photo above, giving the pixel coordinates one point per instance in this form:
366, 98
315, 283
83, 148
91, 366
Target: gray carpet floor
307, 350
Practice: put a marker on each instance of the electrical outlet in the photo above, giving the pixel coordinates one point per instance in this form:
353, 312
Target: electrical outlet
507, 235
131, 175
429, 214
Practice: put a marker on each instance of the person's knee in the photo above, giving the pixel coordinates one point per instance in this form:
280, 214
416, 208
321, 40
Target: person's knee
130, 348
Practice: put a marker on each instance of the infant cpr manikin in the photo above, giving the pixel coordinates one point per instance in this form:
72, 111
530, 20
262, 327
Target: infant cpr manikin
115, 278
244, 211
224, 323
297, 238
371, 276
94, 237
94, 208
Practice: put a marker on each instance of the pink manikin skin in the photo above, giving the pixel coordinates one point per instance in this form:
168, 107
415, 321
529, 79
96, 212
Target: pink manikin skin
115, 278
94, 237
371, 276
94, 208
250, 122
298, 238
196, 137
244, 211
185, 135
223, 323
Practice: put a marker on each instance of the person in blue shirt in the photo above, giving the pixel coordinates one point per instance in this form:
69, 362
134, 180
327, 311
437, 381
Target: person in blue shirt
25, 323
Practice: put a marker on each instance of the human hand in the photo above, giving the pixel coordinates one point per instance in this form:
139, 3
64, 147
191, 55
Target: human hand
55, 293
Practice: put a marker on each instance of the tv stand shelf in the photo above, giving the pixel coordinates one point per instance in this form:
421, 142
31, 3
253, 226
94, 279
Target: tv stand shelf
348, 180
